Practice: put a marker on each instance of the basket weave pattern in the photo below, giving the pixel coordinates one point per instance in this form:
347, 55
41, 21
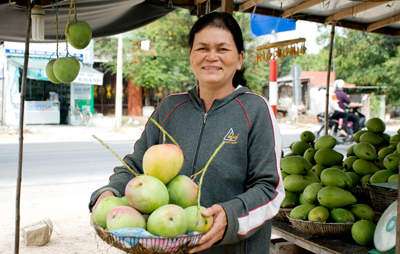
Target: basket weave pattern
322, 229
149, 245
381, 197
283, 214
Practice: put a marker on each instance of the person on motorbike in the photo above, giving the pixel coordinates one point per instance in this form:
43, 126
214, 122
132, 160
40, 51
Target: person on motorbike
337, 112
344, 99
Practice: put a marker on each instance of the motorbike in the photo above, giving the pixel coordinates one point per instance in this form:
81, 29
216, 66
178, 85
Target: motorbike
336, 124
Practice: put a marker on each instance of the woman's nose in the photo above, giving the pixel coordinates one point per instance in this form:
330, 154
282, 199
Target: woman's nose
212, 55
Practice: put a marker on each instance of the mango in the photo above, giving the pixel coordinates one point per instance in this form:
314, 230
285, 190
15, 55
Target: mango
379, 163
381, 176
301, 199
386, 137
364, 167
299, 147
375, 125
340, 167
301, 212
371, 138
398, 148
363, 232
365, 151
391, 162
355, 178
317, 169
318, 214
309, 155
348, 162
290, 199
335, 177
364, 180
289, 155
307, 136
393, 178
297, 183
325, 141
358, 134
334, 197
341, 215
350, 151
394, 140
328, 157
284, 174
313, 175
362, 212
295, 165
311, 191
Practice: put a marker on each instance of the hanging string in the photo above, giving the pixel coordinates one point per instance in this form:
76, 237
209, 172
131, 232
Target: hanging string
55, 13
208, 6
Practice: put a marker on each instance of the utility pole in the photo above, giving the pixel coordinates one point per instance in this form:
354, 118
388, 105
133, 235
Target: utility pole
118, 95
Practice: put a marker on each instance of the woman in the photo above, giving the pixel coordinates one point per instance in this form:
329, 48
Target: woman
242, 187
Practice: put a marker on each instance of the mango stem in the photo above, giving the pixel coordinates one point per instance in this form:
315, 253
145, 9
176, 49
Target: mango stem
126, 165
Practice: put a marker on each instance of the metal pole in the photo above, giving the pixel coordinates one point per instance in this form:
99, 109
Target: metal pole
118, 95
21, 133
329, 77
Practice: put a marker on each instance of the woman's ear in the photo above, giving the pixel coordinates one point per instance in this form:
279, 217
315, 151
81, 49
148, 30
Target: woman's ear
240, 61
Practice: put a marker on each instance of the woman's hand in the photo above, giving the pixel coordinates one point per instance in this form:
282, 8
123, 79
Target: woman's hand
217, 230
103, 195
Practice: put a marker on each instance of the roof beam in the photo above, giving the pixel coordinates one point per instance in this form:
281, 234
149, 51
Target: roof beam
248, 4
383, 23
353, 10
196, 2
301, 7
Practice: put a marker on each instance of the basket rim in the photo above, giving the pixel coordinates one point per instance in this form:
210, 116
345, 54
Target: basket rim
321, 223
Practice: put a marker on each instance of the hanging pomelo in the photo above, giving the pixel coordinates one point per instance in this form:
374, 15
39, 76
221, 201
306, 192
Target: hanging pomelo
50, 72
79, 34
66, 69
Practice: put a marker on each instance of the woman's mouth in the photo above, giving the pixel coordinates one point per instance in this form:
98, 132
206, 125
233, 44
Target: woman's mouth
212, 68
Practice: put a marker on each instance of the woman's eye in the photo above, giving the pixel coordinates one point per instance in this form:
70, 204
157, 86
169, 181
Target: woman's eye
223, 49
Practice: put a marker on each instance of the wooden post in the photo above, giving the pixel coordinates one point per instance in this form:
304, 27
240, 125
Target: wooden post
329, 77
227, 6
21, 132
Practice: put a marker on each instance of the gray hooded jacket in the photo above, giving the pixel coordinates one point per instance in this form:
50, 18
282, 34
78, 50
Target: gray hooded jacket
244, 177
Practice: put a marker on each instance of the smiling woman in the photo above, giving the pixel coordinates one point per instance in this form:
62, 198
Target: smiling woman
243, 187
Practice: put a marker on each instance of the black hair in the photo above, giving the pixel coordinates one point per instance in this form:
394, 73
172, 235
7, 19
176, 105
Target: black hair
224, 21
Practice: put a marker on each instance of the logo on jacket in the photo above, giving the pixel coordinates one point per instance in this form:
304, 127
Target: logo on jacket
230, 137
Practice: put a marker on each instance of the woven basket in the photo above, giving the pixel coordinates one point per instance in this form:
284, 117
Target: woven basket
164, 245
322, 229
362, 195
381, 197
283, 214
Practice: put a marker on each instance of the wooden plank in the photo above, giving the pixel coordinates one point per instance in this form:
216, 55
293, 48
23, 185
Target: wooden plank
301, 7
248, 4
353, 10
227, 6
197, 2
382, 23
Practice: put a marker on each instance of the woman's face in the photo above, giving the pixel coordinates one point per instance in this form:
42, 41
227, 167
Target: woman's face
214, 57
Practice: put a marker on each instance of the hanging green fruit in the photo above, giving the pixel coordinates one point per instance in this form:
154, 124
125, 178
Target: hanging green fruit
66, 69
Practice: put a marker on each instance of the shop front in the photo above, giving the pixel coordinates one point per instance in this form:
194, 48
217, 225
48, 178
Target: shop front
45, 102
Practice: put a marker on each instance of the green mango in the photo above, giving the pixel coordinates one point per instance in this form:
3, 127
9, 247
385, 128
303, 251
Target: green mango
325, 141
398, 148
297, 183
358, 134
364, 180
318, 214
365, 151
334, 197
393, 178
362, 212
386, 137
394, 140
302, 201
355, 178
328, 157
290, 199
317, 169
309, 155
299, 147
284, 174
313, 175
295, 165
398, 131
348, 162
379, 163
350, 151
301, 212
363, 232
381, 176
364, 167
340, 167
375, 125
371, 138
385, 151
311, 191
289, 155
341, 215
391, 162
307, 136
336, 177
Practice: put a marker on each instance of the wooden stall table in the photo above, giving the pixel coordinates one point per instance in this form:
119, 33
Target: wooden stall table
317, 244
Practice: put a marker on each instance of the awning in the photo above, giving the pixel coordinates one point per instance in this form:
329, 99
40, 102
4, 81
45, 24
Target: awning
37, 70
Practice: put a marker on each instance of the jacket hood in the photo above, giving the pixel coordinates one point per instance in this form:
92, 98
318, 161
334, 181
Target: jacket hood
198, 102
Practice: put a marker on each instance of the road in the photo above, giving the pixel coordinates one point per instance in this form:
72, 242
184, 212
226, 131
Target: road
68, 162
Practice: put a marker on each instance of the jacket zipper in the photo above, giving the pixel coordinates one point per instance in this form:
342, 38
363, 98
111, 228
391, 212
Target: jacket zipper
198, 143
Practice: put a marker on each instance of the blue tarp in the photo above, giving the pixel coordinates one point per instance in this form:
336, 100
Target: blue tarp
262, 25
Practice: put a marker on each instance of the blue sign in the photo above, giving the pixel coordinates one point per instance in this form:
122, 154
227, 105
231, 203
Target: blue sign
262, 25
